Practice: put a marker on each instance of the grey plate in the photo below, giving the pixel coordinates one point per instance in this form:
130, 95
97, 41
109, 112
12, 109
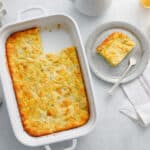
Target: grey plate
101, 68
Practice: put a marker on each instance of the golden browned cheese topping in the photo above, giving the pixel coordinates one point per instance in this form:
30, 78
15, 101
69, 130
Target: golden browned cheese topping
115, 47
49, 87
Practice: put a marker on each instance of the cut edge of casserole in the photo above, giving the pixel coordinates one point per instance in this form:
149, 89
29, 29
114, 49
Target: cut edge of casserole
49, 88
115, 48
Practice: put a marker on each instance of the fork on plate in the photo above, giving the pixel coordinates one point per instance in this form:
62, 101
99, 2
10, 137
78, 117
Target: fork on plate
132, 62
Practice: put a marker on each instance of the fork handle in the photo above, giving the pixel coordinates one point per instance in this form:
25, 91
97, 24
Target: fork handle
120, 79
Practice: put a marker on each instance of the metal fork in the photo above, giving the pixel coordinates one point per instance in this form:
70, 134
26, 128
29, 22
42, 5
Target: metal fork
132, 62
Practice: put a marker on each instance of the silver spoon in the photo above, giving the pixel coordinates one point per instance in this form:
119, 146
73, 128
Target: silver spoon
132, 62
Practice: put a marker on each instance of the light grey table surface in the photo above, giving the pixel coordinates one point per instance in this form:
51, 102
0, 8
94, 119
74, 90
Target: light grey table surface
113, 130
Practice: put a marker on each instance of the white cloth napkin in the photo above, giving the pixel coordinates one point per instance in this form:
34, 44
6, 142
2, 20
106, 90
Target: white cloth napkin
138, 94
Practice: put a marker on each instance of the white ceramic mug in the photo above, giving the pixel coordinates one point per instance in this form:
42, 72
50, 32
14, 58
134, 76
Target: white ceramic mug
92, 7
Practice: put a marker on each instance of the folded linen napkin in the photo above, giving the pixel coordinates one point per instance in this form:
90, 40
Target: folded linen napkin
138, 94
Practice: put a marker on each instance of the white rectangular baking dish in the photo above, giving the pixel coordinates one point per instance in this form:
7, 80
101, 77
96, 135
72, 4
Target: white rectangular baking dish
70, 27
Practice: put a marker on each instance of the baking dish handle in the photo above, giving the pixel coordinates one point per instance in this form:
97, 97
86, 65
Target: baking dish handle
72, 147
21, 12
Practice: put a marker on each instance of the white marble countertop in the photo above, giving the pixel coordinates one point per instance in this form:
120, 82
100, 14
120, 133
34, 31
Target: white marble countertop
113, 130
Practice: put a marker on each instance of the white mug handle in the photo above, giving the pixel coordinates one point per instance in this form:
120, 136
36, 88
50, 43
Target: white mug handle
21, 12
72, 147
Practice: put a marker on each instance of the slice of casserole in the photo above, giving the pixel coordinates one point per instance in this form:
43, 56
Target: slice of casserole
115, 47
49, 88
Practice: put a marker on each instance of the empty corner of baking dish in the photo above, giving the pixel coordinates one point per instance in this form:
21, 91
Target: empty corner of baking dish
69, 18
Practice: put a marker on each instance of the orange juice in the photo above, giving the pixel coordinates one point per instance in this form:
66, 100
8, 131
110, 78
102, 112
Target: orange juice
145, 3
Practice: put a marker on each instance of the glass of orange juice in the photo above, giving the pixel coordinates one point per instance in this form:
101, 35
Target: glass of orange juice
145, 3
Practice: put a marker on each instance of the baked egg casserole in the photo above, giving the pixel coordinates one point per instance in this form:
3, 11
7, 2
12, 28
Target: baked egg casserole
115, 48
49, 87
